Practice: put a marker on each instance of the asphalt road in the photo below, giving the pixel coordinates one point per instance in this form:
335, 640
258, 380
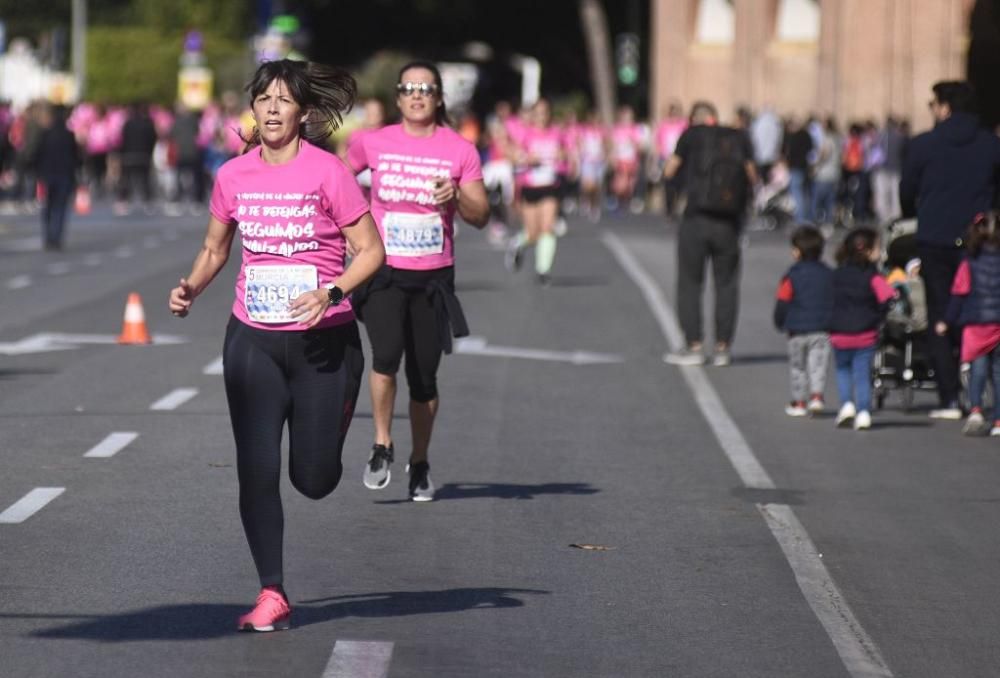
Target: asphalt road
738, 542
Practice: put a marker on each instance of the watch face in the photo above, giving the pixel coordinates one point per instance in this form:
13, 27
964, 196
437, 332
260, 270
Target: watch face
336, 295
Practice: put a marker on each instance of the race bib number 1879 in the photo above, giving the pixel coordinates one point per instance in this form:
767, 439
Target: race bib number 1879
269, 290
413, 235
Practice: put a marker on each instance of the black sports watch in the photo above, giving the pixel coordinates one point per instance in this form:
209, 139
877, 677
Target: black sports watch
335, 295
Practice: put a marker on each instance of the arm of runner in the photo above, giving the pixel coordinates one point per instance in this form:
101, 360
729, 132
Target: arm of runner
210, 260
369, 255
470, 200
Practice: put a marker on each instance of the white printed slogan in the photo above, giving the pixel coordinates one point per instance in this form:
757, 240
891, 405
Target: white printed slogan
402, 182
278, 223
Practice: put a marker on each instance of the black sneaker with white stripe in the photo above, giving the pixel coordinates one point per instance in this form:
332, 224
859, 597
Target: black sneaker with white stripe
377, 474
421, 487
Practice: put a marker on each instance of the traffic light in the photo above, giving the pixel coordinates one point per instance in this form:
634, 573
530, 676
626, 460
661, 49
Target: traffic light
627, 58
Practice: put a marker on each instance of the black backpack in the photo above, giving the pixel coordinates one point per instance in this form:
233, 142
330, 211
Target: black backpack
719, 183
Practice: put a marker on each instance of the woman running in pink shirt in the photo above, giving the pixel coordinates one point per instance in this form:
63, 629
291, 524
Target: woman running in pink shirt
292, 344
423, 175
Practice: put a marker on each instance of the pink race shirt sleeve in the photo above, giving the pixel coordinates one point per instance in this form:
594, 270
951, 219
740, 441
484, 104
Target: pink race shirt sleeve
221, 206
357, 158
342, 195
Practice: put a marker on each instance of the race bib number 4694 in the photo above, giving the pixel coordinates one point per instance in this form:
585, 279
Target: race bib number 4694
413, 235
269, 290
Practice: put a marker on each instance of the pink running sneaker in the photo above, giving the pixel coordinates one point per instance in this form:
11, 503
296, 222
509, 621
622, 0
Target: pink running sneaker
271, 613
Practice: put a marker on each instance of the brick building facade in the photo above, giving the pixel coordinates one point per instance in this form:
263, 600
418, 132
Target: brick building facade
856, 59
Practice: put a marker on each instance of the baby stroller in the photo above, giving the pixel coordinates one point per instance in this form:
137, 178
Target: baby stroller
901, 362
773, 206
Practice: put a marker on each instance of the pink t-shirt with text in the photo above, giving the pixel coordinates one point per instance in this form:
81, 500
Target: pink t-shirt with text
544, 149
418, 234
289, 216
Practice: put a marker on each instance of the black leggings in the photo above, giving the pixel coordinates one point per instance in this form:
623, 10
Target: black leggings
401, 319
309, 379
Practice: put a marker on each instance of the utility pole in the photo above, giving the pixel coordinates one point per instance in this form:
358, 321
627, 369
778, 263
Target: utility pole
80, 46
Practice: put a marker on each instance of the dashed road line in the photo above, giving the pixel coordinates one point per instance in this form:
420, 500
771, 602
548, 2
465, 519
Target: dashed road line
214, 367
174, 399
19, 282
359, 659
112, 445
858, 652
30, 504
58, 268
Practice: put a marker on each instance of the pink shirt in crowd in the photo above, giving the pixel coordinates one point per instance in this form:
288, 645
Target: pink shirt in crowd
418, 234
625, 143
667, 134
544, 150
883, 292
290, 218
981, 338
591, 143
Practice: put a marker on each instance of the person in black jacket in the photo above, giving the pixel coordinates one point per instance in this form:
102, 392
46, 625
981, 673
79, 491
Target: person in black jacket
803, 309
56, 158
949, 176
138, 141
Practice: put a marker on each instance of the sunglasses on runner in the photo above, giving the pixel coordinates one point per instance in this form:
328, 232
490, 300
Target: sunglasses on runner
425, 89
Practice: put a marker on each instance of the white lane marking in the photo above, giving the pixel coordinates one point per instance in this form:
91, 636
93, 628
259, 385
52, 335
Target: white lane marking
214, 367
112, 445
19, 282
30, 504
359, 659
61, 341
857, 650
478, 346
58, 268
174, 399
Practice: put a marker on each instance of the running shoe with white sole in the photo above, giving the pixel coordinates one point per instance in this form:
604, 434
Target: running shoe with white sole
421, 487
271, 613
995, 431
685, 356
514, 256
796, 409
377, 474
862, 421
975, 424
952, 412
845, 417
816, 405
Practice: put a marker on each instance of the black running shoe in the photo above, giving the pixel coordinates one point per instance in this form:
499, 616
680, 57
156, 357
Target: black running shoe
377, 474
421, 487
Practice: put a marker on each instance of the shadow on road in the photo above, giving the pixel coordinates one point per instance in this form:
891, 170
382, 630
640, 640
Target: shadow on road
215, 620
502, 491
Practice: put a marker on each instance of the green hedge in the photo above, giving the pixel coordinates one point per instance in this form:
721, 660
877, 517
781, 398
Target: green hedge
133, 63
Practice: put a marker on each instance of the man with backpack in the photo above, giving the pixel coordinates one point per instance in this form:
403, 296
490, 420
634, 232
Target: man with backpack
719, 174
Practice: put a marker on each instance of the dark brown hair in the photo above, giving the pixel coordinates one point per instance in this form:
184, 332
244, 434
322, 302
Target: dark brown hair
809, 242
983, 232
857, 246
323, 92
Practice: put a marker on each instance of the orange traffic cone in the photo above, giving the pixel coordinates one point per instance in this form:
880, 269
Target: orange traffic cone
81, 203
134, 327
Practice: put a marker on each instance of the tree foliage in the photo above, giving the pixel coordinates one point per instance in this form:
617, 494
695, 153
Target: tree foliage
128, 63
